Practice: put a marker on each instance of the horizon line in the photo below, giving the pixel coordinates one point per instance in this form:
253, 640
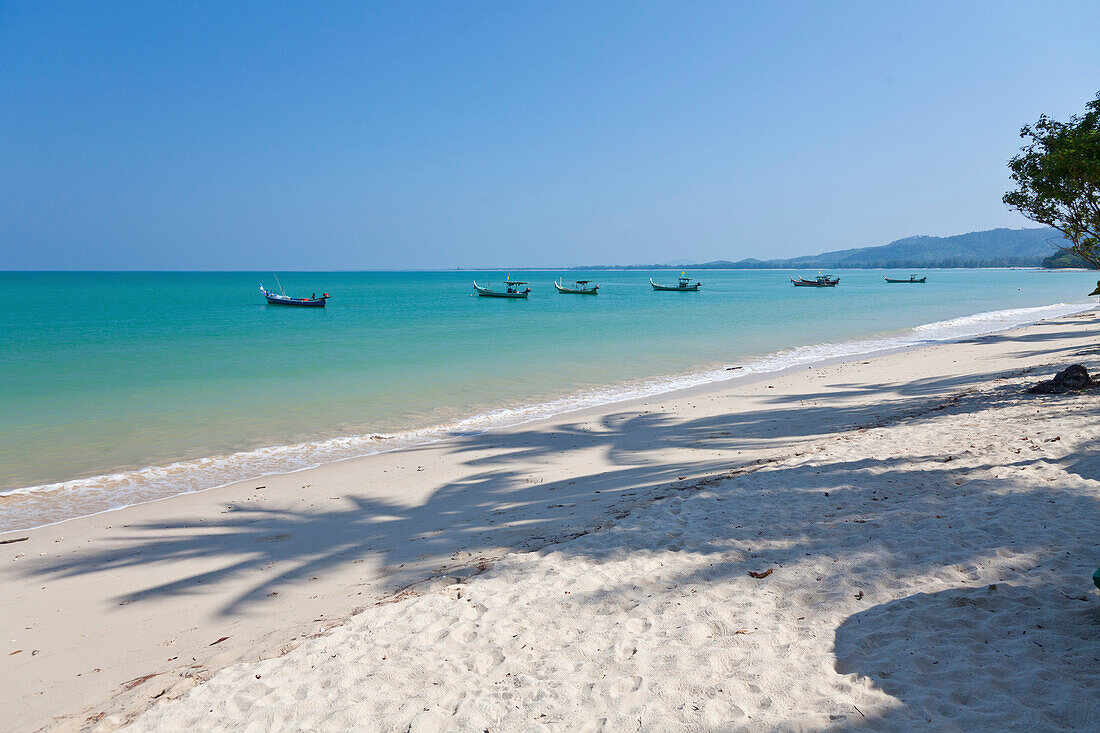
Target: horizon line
608, 268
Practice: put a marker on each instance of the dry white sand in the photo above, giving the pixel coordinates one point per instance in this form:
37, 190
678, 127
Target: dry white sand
930, 530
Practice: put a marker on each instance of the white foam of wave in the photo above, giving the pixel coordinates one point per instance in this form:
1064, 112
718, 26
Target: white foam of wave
50, 503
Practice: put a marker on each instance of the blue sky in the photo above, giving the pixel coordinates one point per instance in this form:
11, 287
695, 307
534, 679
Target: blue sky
360, 136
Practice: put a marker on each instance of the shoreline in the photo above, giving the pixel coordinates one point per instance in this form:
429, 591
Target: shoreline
269, 569
623, 394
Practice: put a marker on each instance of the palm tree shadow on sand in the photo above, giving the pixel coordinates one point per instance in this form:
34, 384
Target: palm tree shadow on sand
1001, 657
501, 507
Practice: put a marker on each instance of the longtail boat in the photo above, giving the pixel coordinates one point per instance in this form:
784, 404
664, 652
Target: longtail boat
821, 281
910, 279
683, 285
511, 290
283, 299
579, 287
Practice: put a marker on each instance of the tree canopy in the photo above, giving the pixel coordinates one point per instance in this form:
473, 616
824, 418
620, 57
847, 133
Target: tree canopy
1057, 177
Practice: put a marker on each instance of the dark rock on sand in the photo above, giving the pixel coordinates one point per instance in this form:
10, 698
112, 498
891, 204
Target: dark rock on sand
1071, 379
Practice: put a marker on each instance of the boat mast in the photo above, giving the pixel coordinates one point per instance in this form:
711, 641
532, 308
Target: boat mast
279, 284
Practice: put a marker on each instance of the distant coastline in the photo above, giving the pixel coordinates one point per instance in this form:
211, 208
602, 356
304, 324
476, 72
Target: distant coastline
1037, 247
1041, 247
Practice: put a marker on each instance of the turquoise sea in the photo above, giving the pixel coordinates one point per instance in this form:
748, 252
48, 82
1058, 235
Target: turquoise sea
124, 387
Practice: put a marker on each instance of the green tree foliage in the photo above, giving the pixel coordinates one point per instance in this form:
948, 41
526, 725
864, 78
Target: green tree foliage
1057, 176
1064, 258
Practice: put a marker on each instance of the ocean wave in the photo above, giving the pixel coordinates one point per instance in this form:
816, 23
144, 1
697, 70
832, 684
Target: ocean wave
34, 506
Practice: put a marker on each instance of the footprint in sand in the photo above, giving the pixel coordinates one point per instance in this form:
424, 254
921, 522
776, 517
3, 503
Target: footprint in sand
625, 649
485, 663
593, 726
638, 625
717, 713
428, 722
624, 686
473, 611
463, 633
697, 633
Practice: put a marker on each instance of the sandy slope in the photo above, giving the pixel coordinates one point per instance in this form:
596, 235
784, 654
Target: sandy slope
596, 569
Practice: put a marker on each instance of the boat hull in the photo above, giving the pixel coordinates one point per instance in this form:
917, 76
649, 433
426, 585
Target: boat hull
673, 288
815, 283
304, 303
570, 291
486, 293
915, 282
278, 299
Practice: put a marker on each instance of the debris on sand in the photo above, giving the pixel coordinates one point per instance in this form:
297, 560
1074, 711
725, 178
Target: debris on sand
1071, 379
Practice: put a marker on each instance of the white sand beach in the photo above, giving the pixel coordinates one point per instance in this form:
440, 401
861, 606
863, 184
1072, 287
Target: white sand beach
922, 533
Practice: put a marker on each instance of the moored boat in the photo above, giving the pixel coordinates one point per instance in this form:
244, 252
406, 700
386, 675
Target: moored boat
511, 290
579, 287
283, 299
910, 279
683, 285
821, 281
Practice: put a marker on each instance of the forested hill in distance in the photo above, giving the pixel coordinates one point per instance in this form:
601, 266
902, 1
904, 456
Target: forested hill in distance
991, 248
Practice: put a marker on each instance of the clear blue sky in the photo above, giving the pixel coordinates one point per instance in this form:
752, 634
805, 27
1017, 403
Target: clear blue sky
331, 135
